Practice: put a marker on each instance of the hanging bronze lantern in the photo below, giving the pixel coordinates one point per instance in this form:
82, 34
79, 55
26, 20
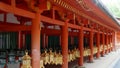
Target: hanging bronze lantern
41, 63
51, 57
26, 61
70, 56
84, 52
73, 55
77, 53
56, 58
46, 57
60, 58
88, 52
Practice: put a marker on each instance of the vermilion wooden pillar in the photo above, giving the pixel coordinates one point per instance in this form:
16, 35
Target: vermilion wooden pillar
64, 43
109, 37
91, 46
43, 40
103, 43
35, 39
98, 45
107, 43
81, 48
23, 41
113, 41
20, 39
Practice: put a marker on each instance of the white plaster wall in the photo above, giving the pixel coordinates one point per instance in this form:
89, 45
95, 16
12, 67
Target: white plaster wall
28, 23
12, 19
57, 27
69, 29
42, 24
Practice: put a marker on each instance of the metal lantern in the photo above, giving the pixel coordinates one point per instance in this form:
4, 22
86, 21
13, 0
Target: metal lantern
60, 58
20, 54
11, 57
26, 61
46, 57
56, 58
41, 63
2, 60
51, 57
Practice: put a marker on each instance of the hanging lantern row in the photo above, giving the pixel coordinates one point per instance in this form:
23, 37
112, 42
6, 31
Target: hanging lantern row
57, 58
87, 51
51, 57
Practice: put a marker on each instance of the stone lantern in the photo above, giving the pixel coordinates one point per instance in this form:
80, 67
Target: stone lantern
26, 61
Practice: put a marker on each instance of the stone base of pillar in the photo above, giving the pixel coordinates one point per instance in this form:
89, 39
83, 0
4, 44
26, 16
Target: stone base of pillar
97, 57
79, 67
90, 62
102, 55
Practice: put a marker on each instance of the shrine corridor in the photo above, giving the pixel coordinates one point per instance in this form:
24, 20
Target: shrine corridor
58, 34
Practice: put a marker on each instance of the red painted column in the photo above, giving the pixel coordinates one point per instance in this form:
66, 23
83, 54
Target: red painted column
23, 41
113, 41
91, 46
20, 39
109, 38
98, 45
35, 39
107, 43
103, 43
64, 43
43, 41
81, 47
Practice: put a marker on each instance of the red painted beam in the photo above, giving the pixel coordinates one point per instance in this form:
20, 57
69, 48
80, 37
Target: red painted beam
86, 29
56, 32
74, 26
51, 31
14, 27
7, 8
51, 21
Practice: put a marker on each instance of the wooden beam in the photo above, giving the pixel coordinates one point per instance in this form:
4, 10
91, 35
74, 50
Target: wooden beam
56, 32
7, 8
95, 30
74, 26
51, 31
10, 27
86, 29
51, 21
